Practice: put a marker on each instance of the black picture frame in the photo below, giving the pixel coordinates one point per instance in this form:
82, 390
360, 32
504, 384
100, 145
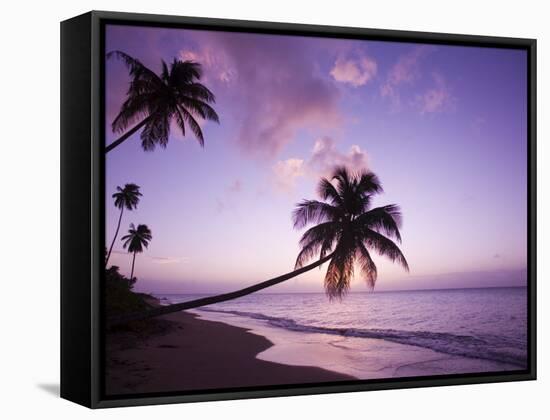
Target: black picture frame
83, 205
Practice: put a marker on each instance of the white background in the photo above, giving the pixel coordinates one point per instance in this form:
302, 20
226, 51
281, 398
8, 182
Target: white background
29, 165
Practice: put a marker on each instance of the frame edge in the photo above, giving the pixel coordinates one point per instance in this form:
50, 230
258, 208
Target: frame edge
76, 246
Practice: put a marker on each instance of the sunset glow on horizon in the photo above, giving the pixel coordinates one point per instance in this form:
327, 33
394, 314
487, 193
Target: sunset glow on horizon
443, 127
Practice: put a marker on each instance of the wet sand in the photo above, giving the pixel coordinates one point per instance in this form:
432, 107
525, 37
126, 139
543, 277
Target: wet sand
186, 353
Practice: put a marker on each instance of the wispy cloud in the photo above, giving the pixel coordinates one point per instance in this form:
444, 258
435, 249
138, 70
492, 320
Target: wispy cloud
404, 71
477, 125
437, 98
223, 203
356, 72
168, 260
154, 259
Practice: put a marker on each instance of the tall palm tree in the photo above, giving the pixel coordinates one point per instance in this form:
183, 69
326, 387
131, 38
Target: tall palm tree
135, 240
153, 101
125, 198
347, 230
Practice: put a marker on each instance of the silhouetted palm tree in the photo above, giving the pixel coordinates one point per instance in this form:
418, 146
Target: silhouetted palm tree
347, 228
135, 240
127, 197
154, 100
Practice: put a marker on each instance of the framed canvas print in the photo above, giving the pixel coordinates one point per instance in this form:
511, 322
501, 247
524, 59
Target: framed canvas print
257, 209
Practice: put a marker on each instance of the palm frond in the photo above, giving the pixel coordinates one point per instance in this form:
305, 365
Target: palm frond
156, 131
134, 108
319, 237
192, 122
342, 175
384, 246
202, 109
199, 92
368, 268
136, 68
368, 183
385, 219
320, 233
180, 121
165, 73
307, 252
339, 273
327, 191
313, 211
184, 72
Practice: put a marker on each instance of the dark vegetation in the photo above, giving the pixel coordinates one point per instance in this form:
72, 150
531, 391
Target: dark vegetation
120, 299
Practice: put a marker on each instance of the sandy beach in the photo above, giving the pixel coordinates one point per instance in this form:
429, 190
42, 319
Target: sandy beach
187, 353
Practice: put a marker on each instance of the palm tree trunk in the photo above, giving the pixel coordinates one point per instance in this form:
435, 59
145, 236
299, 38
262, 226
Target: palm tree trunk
116, 234
126, 135
133, 262
163, 310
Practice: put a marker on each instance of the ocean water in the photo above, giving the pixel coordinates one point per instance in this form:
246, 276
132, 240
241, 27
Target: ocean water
387, 333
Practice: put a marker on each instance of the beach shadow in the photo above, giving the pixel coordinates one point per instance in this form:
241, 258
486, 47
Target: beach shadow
52, 389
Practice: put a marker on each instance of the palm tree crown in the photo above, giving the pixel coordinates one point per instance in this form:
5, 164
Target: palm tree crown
348, 229
156, 100
137, 238
127, 197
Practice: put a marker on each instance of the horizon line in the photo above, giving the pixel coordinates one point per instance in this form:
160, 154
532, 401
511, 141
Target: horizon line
356, 292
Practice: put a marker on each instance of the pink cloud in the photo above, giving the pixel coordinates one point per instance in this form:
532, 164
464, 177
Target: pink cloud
404, 71
324, 158
437, 98
287, 172
272, 85
354, 72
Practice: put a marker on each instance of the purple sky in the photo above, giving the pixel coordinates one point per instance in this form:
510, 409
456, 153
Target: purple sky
443, 127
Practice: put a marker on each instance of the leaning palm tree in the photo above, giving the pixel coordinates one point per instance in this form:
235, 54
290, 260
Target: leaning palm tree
125, 198
153, 101
346, 231
135, 240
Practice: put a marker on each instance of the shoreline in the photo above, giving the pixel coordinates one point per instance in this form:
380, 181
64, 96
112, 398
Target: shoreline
361, 358
189, 353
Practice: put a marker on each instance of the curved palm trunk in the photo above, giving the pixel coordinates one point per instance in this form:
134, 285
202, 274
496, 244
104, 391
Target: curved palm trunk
133, 262
116, 234
126, 135
163, 310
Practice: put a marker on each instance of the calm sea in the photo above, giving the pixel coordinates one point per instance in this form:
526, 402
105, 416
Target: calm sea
483, 324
